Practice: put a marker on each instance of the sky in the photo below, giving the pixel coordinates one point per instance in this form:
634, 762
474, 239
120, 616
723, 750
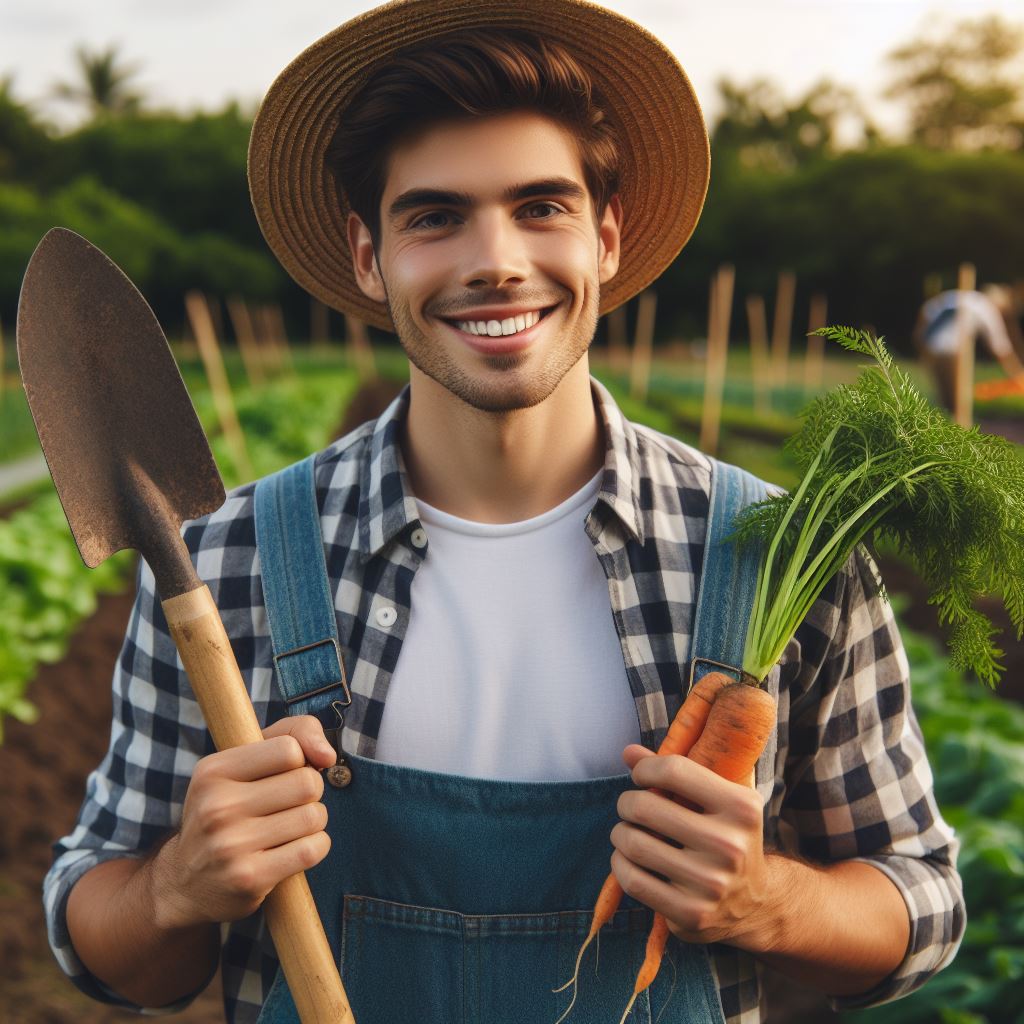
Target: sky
200, 53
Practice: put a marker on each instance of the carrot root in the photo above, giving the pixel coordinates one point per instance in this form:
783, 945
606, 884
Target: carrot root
723, 725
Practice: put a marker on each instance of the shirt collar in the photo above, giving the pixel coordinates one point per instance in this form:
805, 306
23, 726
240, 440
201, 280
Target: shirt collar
387, 506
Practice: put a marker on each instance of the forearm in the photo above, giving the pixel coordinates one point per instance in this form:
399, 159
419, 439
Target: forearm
839, 928
118, 931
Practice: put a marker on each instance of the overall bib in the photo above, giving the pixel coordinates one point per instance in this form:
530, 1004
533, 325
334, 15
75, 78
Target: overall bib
456, 900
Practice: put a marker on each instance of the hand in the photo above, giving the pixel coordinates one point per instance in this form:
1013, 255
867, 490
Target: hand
714, 883
252, 816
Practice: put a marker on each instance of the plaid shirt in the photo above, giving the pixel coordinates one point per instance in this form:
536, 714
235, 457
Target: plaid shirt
851, 777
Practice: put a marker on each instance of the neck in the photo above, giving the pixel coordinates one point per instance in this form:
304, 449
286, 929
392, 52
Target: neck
501, 467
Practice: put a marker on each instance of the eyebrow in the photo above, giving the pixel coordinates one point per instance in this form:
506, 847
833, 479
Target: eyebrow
415, 198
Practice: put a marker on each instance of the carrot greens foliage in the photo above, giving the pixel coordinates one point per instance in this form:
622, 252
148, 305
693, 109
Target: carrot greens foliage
879, 460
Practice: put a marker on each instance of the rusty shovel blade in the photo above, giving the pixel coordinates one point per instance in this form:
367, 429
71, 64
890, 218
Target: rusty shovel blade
119, 432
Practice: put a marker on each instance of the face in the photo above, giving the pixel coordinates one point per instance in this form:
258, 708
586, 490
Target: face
491, 257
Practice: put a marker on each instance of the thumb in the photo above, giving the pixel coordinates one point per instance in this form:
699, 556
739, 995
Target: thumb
634, 754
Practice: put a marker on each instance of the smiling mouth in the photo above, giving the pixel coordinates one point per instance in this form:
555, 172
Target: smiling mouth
506, 328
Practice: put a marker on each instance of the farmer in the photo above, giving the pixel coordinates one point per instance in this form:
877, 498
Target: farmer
948, 320
511, 571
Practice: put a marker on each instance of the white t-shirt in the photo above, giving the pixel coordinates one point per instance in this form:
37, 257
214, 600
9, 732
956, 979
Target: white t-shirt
982, 316
511, 667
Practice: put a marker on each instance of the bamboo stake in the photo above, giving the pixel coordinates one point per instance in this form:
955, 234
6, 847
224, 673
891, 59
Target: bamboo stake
216, 317
319, 323
963, 412
213, 362
280, 334
782, 325
643, 346
718, 343
618, 346
252, 357
360, 351
814, 360
273, 361
760, 369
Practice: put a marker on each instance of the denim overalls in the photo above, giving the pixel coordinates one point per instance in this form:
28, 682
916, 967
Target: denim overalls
454, 900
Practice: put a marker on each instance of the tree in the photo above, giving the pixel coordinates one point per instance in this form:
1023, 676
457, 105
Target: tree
25, 145
764, 131
104, 83
963, 88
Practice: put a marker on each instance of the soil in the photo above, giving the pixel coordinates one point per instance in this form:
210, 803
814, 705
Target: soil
44, 768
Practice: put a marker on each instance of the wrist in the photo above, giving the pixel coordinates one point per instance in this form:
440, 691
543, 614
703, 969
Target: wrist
770, 923
171, 908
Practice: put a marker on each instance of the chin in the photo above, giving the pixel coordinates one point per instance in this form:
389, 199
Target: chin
509, 387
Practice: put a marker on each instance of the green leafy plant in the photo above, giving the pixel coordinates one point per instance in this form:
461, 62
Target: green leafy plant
46, 590
878, 459
975, 744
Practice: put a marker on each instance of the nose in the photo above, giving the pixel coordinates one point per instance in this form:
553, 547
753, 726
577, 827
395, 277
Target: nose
495, 252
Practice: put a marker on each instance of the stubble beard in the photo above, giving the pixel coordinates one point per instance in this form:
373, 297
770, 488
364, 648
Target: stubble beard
506, 385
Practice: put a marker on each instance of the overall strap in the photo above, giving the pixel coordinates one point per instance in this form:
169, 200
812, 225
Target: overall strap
300, 610
728, 577
727, 584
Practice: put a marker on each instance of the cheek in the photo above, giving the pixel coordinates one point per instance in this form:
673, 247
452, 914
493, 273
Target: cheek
571, 261
416, 273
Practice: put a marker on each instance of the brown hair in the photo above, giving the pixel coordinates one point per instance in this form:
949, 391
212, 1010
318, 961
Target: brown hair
463, 75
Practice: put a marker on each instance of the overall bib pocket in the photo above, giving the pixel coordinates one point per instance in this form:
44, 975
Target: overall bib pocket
408, 963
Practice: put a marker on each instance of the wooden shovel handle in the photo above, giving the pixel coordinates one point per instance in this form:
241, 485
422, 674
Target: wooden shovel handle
294, 922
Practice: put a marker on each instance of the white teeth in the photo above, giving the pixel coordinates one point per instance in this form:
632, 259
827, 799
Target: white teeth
498, 328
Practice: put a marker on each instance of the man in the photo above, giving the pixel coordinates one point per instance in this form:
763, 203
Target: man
989, 315
512, 567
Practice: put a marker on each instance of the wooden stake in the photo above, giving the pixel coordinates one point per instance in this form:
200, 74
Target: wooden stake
280, 332
360, 351
319, 331
963, 412
782, 325
618, 346
270, 345
760, 370
814, 360
643, 346
245, 336
718, 343
209, 351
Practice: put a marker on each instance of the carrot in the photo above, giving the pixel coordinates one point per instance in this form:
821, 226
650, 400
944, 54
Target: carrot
737, 729
682, 734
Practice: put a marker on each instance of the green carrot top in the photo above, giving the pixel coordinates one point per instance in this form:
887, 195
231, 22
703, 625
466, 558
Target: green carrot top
879, 459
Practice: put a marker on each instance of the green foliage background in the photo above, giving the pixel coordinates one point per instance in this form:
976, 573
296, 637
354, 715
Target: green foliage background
166, 196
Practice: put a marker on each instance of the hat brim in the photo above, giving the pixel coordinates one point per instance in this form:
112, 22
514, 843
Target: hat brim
665, 155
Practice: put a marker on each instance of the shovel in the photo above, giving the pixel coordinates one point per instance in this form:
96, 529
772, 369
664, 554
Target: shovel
130, 463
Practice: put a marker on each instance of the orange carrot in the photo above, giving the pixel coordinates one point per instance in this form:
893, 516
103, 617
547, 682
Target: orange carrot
736, 731
682, 734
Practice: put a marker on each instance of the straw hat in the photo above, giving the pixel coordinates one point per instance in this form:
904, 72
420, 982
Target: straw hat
665, 158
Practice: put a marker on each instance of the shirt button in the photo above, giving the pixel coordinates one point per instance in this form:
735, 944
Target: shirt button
418, 538
386, 616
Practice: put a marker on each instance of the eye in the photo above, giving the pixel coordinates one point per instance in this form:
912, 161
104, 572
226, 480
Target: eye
551, 209
432, 220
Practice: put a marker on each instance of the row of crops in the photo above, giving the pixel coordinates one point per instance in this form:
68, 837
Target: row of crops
975, 739
46, 590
